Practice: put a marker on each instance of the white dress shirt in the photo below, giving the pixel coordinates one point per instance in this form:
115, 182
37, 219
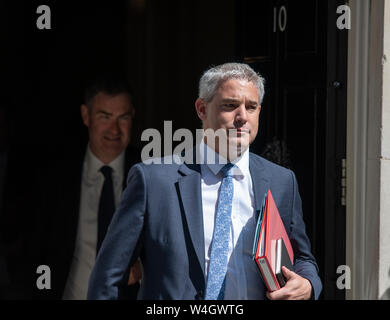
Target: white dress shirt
243, 280
85, 250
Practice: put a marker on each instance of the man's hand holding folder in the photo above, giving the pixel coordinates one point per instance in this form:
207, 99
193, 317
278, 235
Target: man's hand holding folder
296, 288
272, 252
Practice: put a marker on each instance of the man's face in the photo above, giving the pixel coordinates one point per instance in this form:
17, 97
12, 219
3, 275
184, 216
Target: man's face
235, 106
109, 124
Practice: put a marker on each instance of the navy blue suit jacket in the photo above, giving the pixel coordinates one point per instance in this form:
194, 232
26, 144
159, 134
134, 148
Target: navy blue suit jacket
160, 220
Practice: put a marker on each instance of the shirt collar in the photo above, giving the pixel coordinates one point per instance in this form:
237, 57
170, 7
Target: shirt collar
241, 167
93, 164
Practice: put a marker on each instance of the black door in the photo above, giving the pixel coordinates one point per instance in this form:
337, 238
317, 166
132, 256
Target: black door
296, 47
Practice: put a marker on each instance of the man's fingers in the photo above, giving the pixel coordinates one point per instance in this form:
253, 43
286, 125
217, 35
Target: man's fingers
287, 273
282, 293
135, 273
277, 295
296, 288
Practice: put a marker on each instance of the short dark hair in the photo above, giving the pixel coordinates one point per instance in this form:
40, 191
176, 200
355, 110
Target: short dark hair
110, 85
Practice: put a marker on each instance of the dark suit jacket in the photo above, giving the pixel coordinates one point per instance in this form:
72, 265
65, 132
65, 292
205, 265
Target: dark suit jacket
160, 219
56, 229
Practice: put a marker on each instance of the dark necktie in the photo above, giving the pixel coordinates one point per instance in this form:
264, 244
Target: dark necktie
106, 205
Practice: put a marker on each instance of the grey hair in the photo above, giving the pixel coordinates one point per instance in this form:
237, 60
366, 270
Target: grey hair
213, 78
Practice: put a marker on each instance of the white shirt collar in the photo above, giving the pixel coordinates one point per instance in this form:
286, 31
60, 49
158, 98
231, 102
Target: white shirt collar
93, 164
241, 163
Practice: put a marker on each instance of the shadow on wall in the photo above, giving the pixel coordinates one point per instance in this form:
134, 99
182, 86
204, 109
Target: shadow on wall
386, 295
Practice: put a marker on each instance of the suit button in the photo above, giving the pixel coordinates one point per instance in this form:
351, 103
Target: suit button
199, 295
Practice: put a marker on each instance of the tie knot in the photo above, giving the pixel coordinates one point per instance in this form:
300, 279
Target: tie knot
106, 170
226, 169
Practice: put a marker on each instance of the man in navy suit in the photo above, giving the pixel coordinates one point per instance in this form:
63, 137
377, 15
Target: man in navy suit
171, 215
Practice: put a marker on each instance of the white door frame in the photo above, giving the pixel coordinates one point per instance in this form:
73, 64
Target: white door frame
365, 179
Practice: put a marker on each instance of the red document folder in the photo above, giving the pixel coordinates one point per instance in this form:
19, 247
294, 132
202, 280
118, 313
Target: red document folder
272, 229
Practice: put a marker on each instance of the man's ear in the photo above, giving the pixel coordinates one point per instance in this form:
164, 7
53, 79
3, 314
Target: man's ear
85, 114
201, 109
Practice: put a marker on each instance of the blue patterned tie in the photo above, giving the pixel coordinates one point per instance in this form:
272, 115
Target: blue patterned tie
220, 244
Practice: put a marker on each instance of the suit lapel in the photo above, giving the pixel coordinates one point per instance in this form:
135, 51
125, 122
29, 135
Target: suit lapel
73, 188
260, 180
132, 156
191, 198
190, 194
